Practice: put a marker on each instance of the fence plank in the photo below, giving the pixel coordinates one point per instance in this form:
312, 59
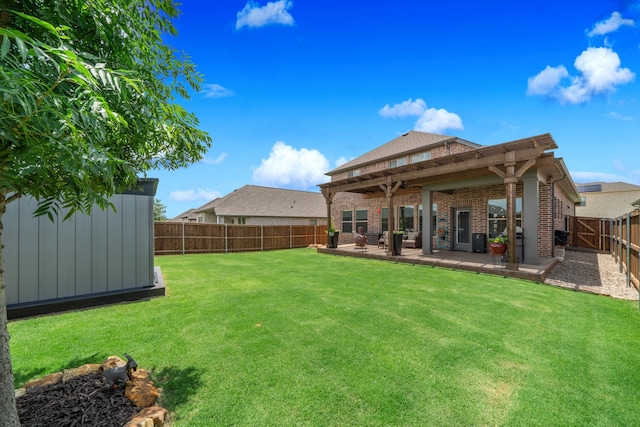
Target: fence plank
190, 238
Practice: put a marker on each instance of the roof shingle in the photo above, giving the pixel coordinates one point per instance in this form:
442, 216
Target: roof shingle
257, 201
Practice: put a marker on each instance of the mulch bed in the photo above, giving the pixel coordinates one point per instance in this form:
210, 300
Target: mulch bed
82, 401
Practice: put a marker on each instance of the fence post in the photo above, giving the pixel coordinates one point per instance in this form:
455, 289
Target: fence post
628, 238
620, 243
290, 236
182, 236
262, 238
226, 240
611, 237
315, 235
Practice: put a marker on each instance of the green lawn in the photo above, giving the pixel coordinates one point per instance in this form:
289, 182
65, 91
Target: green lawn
298, 338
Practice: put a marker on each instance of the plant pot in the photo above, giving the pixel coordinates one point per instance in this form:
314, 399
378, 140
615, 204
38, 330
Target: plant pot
397, 243
332, 240
497, 248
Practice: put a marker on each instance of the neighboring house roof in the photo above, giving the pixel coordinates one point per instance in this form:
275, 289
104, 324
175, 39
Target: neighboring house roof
410, 142
606, 187
256, 201
186, 215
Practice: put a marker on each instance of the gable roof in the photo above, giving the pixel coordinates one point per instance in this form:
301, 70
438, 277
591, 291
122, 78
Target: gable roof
411, 142
188, 215
257, 201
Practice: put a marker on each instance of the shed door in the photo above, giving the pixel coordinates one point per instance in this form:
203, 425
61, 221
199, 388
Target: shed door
462, 231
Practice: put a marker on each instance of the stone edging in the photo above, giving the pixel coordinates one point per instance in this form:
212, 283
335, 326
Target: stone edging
140, 390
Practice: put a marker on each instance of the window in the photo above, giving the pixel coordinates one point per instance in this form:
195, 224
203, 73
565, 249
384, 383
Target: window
397, 162
434, 210
347, 221
384, 219
583, 200
405, 217
415, 158
362, 219
355, 172
241, 221
497, 217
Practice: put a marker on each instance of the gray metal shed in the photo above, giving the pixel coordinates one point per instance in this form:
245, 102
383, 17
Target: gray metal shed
87, 260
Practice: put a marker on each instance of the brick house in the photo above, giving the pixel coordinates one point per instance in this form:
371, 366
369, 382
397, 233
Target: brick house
469, 191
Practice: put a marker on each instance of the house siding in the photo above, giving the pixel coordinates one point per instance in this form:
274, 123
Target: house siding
607, 204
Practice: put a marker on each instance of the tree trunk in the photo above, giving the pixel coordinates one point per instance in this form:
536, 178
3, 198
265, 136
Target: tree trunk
8, 410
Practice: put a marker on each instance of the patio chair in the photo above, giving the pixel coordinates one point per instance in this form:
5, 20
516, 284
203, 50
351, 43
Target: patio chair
383, 241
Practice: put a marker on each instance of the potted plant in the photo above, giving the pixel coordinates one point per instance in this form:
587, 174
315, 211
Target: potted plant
442, 233
333, 234
498, 245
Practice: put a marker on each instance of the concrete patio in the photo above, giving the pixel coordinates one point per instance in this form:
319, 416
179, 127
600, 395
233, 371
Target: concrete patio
468, 261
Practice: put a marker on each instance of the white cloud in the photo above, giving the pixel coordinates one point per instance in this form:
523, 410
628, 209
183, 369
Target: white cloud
437, 121
618, 165
429, 119
547, 80
610, 25
600, 73
216, 91
221, 158
619, 116
404, 109
289, 167
254, 16
584, 176
341, 161
193, 195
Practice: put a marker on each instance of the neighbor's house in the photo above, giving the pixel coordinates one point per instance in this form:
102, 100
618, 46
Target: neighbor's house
454, 191
53, 265
186, 216
256, 205
606, 199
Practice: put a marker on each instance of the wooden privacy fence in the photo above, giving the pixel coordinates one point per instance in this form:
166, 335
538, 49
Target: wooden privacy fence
190, 238
591, 233
624, 240
619, 236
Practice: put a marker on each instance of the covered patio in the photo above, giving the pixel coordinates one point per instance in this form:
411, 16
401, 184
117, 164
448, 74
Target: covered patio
536, 188
456, 260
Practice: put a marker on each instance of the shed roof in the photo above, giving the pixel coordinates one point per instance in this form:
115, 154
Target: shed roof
411, 142
257, 201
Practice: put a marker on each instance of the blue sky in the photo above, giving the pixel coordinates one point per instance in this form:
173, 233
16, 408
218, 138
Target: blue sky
295, 88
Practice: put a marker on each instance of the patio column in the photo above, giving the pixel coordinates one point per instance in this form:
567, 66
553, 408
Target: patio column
427, 221
530, 216
389, 189
511, 177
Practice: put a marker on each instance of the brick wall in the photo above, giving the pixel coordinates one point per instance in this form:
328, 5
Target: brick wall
477, 198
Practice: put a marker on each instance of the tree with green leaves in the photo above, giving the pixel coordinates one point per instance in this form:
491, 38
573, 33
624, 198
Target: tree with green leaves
159, 210
89, 95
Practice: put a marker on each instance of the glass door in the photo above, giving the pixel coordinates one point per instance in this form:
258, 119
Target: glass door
462, 232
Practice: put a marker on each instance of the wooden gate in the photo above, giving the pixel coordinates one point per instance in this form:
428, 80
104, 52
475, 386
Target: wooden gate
586, 232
